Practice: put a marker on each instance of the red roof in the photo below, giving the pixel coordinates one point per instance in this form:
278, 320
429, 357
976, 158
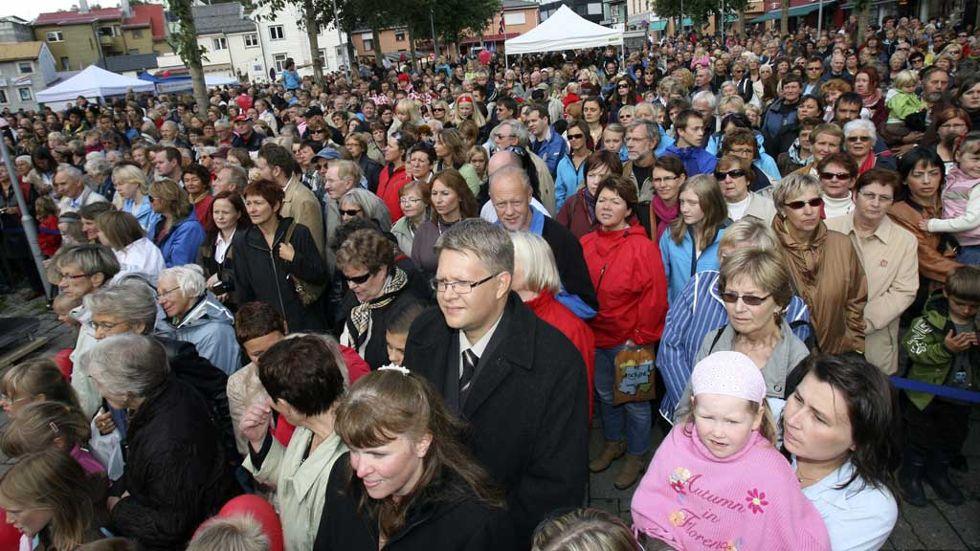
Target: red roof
144, 15
74, 17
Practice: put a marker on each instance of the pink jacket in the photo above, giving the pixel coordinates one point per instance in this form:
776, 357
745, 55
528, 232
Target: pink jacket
690, 499
956, 196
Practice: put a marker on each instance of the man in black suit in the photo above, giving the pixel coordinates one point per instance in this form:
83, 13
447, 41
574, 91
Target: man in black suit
516, 380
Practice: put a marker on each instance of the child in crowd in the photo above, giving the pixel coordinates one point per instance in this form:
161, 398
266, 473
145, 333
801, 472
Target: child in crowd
584, 530
902, 100
716, 481
397, 332
961, 202
48, 236
47, 425
614, 139
943, 348
62, 306
70, 227
34, 381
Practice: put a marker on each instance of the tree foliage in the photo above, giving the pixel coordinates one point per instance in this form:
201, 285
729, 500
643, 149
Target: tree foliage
183, 40
700, 12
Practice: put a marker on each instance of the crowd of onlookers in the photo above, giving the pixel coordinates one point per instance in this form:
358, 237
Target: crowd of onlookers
380, 311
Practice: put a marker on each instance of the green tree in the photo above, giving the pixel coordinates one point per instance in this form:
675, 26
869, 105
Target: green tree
699, 11
184, 42
315, 15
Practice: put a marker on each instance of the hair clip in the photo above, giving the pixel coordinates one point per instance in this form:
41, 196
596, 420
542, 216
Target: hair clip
54, 427
392, 367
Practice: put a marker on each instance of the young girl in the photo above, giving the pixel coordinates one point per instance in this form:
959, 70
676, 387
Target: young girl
614, 139
50, 425
34, 381
903, 101
717, 482
691, 244
961, 202
48, 236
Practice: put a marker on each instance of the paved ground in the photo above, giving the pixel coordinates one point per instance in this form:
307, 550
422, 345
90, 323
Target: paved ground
935, 527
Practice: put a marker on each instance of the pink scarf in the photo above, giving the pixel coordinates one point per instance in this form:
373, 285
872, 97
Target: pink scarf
690, 499
662, 214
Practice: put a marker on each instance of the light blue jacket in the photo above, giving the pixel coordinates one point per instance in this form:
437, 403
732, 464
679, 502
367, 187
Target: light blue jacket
181, 244
678, 263
209, 326
567, 180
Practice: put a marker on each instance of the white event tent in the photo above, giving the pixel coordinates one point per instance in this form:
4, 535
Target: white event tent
564, 30
93, 82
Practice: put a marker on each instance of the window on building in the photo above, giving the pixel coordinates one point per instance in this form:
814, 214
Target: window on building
55, 36
3, 97
219, 44
65, 63
252, 40
25, 67
277, 32
137, 33
279, 61
595, 8
514, 18
399, 36
108, 31
368, 44
25, 94
323, 57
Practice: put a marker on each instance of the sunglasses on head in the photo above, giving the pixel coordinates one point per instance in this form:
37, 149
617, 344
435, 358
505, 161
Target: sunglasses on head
732, 297
736, 173
359, 280
797, 205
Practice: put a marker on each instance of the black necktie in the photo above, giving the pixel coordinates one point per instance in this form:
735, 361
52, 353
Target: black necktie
470, 360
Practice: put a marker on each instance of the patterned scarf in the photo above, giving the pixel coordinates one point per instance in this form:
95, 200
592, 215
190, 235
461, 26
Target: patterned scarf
360, 315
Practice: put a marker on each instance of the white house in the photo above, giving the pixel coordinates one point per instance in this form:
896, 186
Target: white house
281, 37
230, 40
26, 68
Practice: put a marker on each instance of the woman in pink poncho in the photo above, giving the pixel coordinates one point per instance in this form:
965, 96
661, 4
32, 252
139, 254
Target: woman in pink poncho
717, 482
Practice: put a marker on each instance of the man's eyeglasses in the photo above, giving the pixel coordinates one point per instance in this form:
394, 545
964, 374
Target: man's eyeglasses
732, 297
797, 205
458, 287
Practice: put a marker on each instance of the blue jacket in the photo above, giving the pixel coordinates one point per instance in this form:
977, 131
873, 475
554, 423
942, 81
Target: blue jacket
678, 263
144, 214
209, 326
180, 245
776, 117
567, 180
666, 142
696, 159
551, 150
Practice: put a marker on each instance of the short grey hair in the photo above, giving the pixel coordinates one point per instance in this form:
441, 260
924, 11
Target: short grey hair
240, 532
651, 129
131, 301
132, 365
510, 171
489, 243
73, 173
750, 231
90, 259
98, 165
858, 125
792, 186
372, 206
519, 130
536, 259
239, 176
705, 95
189, 278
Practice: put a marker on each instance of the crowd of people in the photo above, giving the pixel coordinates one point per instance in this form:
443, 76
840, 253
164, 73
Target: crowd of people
378, 312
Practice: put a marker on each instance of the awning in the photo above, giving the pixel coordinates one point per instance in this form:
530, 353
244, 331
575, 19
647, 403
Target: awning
658, 25
795, 11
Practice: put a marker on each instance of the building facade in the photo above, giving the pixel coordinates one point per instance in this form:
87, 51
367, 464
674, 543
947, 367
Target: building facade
83, 37
26, 68
280, 37
230, 40
15, 29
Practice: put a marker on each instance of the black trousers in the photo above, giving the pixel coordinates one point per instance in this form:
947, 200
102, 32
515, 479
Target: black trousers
941, 426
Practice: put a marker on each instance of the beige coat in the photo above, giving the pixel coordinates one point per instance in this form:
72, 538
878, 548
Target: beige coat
891, 265
244, 389
302, 206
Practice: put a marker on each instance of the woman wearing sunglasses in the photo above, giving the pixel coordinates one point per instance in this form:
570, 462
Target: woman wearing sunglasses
837, 173
754, 285
732, 174
825, 268
860, 137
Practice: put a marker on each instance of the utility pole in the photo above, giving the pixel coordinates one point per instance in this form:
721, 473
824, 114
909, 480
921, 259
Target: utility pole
26, 220
435, 43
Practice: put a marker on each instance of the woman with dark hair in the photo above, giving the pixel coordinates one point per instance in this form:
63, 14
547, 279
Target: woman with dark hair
421, 162
949, 125
376, 288
197, 184
42, 175
578, 212
394, 174
841, 426
408, 482
451, 150
924, 176
216, 254
358, 146
623, 94
276, 260
571, 167
595, 114
967, 97
866, 84
450, 200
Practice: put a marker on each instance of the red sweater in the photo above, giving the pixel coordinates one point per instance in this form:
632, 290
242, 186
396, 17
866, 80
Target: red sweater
390, 182
48, 236
629, 279
556, 314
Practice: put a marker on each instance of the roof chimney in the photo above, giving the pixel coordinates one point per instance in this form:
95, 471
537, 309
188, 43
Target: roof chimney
127, 12
83, 6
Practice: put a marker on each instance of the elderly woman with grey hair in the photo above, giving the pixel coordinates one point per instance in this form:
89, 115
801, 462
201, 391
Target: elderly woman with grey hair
176, 474
198, 317
361, 203
860, 137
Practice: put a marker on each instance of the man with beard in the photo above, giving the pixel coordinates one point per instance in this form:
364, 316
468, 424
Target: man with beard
935, 82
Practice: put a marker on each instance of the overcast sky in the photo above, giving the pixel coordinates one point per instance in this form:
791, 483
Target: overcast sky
29, 9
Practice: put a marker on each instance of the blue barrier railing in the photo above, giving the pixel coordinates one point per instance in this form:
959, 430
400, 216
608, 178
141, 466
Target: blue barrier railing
952, 393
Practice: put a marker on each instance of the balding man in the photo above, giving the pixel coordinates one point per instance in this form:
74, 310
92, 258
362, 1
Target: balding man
510, 196
499, 160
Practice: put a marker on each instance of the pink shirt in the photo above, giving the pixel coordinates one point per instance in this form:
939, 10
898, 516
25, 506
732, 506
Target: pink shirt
87, 460
690, 499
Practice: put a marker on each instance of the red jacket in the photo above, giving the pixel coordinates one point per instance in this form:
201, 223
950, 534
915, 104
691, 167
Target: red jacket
556, 314
389, 184
629, 280
48, 236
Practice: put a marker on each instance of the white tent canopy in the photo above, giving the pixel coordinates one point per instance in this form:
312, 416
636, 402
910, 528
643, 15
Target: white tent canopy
93, 82
564, 30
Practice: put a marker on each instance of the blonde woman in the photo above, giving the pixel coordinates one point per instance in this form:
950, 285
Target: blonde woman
465, 109
132, 195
